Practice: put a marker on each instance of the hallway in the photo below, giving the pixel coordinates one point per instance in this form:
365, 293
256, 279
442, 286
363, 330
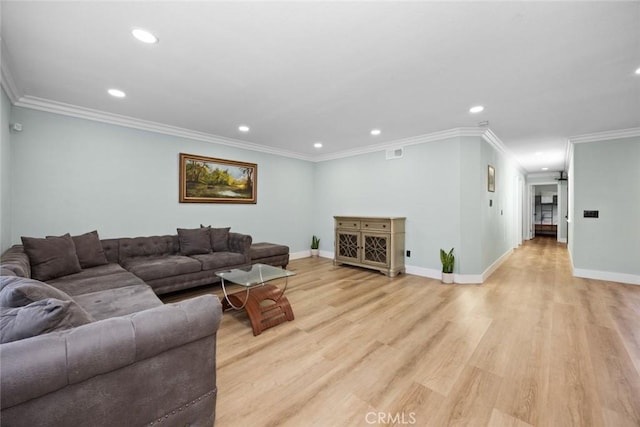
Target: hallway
585, 350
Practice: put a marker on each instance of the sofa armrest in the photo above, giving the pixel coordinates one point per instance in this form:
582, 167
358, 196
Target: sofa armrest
63, 359
241, 243
16, 260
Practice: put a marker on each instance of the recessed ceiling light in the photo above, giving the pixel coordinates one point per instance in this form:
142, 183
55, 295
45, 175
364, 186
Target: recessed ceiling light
638, 71
144, 36
318, 145
116, 93
545, 169
243, 128
375, 132
476, 109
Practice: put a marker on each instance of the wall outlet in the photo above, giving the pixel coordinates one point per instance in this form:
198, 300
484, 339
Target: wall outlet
408, 254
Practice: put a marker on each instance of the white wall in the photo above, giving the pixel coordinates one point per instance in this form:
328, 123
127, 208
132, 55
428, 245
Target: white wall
5, 173
73, 175
606, 177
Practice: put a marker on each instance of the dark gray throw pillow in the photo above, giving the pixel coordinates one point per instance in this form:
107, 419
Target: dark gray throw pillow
40, 317
20, 291
89, 250
51, 257
219, 238
194, 241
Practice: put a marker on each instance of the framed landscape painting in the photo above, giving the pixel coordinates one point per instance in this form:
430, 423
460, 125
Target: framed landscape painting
211, 180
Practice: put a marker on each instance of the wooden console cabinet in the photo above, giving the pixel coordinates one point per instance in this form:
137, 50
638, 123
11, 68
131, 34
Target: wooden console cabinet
370, 242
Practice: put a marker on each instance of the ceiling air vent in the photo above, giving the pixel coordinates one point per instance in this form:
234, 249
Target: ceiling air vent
394, 153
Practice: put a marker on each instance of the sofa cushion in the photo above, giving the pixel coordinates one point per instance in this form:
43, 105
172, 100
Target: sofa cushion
109, 276
147, 246
51, 257
219, 238
89, 250
149, 268
20, 291
40, 317
110, 303
220, 260
194, 241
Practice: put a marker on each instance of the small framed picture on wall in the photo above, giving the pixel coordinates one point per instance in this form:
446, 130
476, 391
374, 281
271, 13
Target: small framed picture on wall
491, 179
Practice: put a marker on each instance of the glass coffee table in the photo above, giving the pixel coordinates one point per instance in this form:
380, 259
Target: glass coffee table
265, 303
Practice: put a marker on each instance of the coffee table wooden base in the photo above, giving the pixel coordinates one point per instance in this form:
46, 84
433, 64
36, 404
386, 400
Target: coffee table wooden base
266, 306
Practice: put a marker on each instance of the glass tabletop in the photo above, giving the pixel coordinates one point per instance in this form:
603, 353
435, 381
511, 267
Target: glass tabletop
254, 275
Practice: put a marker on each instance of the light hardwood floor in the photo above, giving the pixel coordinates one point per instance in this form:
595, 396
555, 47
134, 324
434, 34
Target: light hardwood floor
532, 346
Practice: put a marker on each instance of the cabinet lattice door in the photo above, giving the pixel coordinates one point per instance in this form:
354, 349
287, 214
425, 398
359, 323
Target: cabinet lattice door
376, 249
348, 245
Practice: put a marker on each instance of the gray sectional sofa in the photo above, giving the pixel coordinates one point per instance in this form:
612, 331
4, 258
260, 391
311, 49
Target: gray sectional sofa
97, 346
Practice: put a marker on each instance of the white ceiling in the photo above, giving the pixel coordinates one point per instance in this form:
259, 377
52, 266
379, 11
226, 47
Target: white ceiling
303, 72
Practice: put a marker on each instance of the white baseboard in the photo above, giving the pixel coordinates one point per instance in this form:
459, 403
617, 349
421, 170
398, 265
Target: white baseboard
301, 254
430, 273
424, 272
307, 254
497, 263
609, 276
562, 240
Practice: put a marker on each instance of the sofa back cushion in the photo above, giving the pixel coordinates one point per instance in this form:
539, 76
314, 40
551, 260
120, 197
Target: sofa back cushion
40, 317
194, 241
148, 246
89, 250
219, 238
20, 291
51, 257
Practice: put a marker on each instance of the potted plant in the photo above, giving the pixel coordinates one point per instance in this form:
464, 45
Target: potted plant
448, 260
315, 245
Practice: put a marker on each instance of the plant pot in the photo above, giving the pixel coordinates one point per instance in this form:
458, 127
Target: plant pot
447, 278
315, 252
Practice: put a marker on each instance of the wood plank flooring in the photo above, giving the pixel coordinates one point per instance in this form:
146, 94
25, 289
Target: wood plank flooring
532, 346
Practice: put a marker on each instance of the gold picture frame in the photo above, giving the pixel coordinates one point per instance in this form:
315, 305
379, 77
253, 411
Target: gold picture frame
491, 179
211, 180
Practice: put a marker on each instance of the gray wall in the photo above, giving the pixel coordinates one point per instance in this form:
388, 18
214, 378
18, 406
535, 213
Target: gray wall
5, 173
606, 177
423, 186
75, 175
441, 187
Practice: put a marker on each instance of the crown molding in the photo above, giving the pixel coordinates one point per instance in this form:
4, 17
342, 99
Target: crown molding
605, 136
397, 143
47, 105
497, 143
6, 77
56, 107
550, 176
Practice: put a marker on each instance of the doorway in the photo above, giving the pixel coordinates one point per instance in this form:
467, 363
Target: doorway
547, 210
